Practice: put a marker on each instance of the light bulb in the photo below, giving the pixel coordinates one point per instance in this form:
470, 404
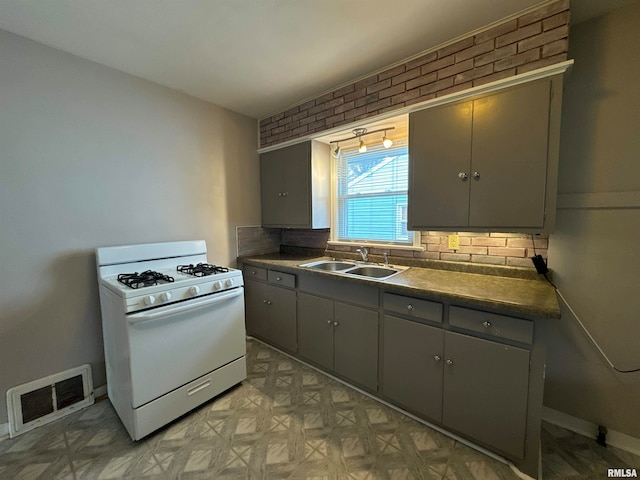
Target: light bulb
363, 147
387, 142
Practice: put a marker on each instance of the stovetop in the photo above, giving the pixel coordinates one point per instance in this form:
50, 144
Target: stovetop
156, 280
149, 277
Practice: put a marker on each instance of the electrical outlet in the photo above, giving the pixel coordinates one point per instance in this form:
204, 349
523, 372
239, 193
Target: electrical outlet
454, 242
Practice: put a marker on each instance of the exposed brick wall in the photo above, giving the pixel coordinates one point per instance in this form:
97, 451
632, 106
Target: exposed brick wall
508, 249
532, 41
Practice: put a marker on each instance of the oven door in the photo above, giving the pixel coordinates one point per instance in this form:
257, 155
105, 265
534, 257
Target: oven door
173, 345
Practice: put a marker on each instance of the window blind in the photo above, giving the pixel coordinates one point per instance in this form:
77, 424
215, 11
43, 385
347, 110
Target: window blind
372, 195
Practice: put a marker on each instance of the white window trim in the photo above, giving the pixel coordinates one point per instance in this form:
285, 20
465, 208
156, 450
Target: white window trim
415, 246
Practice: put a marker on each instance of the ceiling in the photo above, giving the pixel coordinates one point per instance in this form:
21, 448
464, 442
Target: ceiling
255, 57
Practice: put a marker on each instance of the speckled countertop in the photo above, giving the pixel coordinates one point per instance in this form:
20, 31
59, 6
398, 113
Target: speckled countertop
525, 297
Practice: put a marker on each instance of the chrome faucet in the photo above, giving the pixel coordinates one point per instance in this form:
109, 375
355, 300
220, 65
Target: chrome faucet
364, 252
386, 259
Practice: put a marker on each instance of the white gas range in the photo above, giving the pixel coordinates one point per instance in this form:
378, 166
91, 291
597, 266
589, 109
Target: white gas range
173, 330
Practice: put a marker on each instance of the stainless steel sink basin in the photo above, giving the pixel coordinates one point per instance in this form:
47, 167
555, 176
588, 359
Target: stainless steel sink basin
373, 271
329, 265
341, 267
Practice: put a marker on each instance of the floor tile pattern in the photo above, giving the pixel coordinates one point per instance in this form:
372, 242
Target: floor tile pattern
286, 421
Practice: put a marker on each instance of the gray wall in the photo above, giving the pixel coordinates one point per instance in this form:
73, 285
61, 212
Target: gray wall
93, 157
595, 251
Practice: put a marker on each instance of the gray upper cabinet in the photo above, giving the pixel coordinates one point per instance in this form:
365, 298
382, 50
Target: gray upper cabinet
487, 163
295, 186
439, 150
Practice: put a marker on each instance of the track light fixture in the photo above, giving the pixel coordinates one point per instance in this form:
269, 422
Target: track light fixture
361, 132
387, 142
336, 152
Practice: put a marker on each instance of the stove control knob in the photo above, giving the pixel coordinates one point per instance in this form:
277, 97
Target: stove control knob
165, 297
217, 285
149, 300
194, 290
228, 282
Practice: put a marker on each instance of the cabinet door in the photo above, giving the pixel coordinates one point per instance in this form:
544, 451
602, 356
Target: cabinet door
439, 150
355, 337
271, 187
296, 169
282, 329
256, 312
285, 181
485, 391
315, 329
509, 151
412, 365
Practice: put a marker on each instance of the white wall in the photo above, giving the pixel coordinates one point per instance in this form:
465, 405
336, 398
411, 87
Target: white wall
91, 157
595, 251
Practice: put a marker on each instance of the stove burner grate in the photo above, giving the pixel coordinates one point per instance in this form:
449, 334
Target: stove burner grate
201, 269
144, 279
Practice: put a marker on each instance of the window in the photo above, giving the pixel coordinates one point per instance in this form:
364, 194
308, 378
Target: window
371, 196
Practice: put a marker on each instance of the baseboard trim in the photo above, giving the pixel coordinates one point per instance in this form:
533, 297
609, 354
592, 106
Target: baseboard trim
100, 391
588, 429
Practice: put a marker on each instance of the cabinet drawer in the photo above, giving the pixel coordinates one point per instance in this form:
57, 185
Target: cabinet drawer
499, 326
413, 307
256, 273
284, 279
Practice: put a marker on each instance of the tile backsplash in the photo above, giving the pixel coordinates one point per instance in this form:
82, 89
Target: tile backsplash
506, 249
255, 240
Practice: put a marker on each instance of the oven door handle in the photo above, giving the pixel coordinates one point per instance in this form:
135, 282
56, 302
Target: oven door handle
162, 313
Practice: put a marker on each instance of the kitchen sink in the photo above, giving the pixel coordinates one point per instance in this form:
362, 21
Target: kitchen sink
371, 271
329, 265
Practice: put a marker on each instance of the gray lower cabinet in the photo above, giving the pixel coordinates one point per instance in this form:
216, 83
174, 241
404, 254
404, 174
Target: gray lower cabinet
339, 337
485, 391
476, 373
315, 329
475, 386
271, 314
256, 312
412, 365
355, 344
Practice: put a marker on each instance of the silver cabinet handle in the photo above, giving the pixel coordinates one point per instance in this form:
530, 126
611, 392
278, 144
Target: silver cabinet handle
335, 324
329, 322
264, 301
253, 272
449, 361
476, 175
462, 176
409, 307
486, 323
284, 194
437, 358
278, 279
279, 194
268, 302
